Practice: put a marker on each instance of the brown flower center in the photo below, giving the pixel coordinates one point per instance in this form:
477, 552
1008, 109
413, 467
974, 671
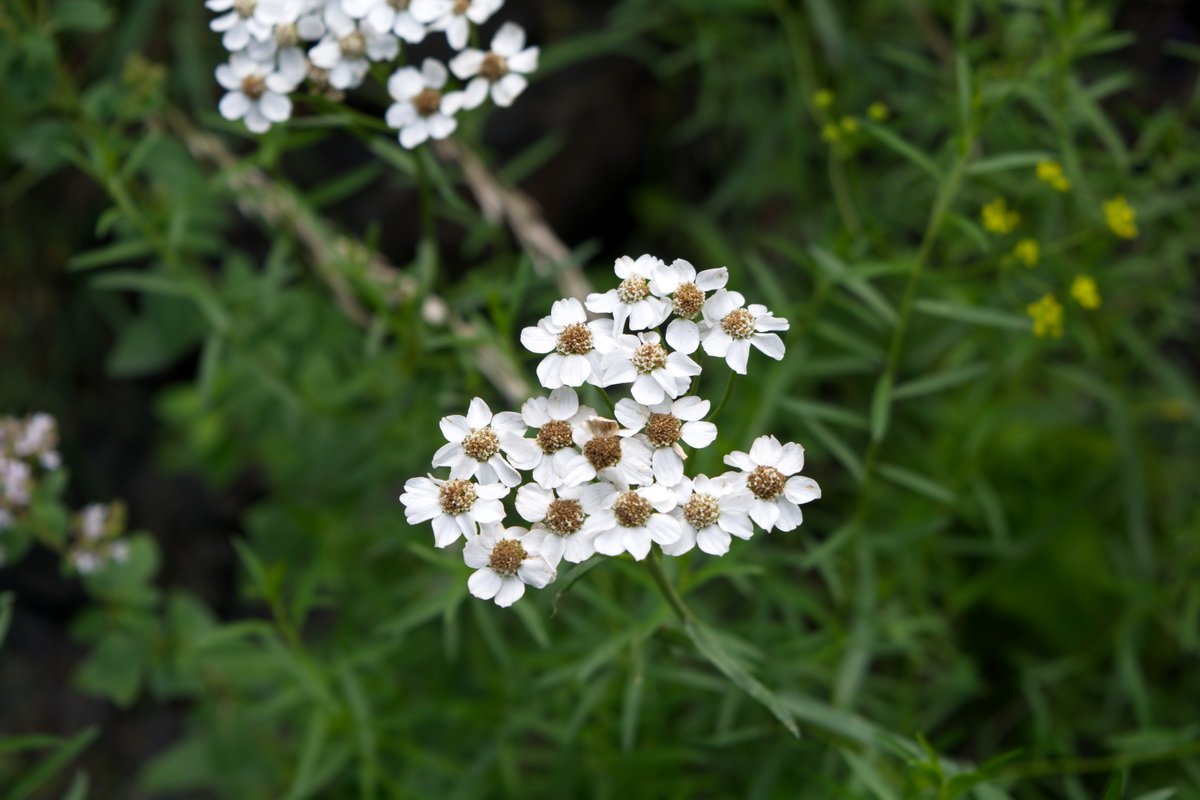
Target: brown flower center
602, 452
481, 444
354, 46
649, 357
687, 301
244, 8
399, 5
766, 483
738, 323
287, 35
461, 6
427, 102
632, 510
456, 496
574, 340
633, 289
506, 557
253, 86
701, 511
663, 430
554, 435
494, 67
564, 517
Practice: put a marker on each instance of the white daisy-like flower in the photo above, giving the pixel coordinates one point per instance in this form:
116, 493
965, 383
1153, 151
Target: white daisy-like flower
247, 21
422, 110
769, 471
656, 374
664, 425
456, 506
479, 442
558, 519
387, 16
575, 346
506, 561
613, 455
454, 16
634, 299
304, 23
731, 327
555, 419
686, 290
347, 45
501, 69
257, 91
710, 510
16, 482
91, 521
39, 437
627, 521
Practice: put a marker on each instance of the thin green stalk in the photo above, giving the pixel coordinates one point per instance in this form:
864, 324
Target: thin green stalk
425, 187
612, 407
724, 397
665, 588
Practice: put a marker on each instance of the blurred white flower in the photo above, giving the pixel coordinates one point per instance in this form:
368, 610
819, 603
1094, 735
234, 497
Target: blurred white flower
478, 443
454, 16
558, 519
628, 521
422, 110
387, 16
663, 425
731, 327
633, 300
16, 482
555, 419
456, 506
769, 471
257, 91
709, 511
347, 45
248, 21
575, 346
506, 561
655, 373
501, 69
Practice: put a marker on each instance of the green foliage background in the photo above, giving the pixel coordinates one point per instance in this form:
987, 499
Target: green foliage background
996, 596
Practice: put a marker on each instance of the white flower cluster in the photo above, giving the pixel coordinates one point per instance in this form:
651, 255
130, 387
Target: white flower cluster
613, 486
275, 45
96, 538
27, 447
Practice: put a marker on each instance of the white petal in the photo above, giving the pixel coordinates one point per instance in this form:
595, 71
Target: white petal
538, 340
484, 584
632, 415
668, 467
766, 450
690, 408
234, 105
275, 107
535, 412
405, 84
549, 371
683, 335
575, 370
475, 93
414, 133
227, 79
800, 489
441, 126
454, 427
769, 344
511, 590
399, 115
533, 502
791, 460
505, 90
790, 516
563, 404
509, 40
434, 73
536, 572
612, 542
456, 32
738, 356
467, 63
698, 434
713, 540
712, 279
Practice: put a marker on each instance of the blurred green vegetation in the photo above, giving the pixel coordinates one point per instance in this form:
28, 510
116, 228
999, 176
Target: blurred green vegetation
997, 595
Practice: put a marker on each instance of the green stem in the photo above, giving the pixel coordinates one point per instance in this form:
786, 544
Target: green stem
724, 397
665, 588
612, 407
425, 187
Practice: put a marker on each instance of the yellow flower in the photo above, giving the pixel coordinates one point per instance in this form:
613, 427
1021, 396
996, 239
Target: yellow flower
1121, 217
1027, 252
1047, 316
1052, 173
831, 133
878, 112
997, 218
849, 125
823, 98
1084, 290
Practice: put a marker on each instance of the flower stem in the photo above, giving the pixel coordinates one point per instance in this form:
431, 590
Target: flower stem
425, 187
724, 397
665, 588
612, 407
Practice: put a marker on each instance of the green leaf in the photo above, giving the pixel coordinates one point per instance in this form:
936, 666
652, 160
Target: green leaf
6, 611
631, 701
940, 381
46, 769
115, 253
869, 776
719, 656
889, 139
1158, 794
881, 407
973, 315
85, 16
78, 790
917, 483
1026, 159
114, 669
1116, 786
575, 573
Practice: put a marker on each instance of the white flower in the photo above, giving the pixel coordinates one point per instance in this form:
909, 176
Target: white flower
633, 299
456, 506
501, 69
304, 23
628, 521
479, 441
248, 20
16, 480
422, 110
612, 454
643, 361
769, 472
731, 329
38, 437
257, 91
505, 561
665, 424
91, 521
558, 519
686, 291
347, 45
574, 344
709, 511
556, 418
387, 16
454, 16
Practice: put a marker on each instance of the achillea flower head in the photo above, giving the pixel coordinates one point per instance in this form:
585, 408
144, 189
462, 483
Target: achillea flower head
501, 70
770, 473
505, 561
731, 327
1047, 314
710, 512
